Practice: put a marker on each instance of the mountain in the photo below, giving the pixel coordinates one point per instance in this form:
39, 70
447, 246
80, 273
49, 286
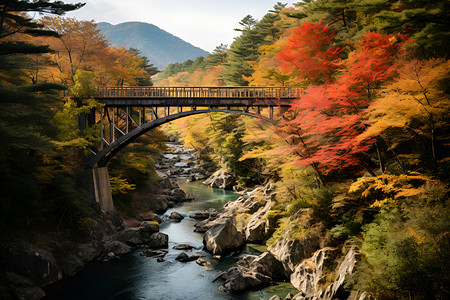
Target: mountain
159, 46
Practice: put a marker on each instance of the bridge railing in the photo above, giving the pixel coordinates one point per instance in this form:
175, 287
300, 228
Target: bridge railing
199, 92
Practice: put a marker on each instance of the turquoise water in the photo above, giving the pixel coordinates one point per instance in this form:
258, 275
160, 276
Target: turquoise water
136, 277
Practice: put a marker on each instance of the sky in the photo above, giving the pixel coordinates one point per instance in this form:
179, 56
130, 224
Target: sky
203, 23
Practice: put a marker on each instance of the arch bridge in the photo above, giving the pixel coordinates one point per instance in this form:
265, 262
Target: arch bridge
129, 112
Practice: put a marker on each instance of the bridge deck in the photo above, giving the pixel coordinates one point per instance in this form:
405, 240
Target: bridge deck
198, 96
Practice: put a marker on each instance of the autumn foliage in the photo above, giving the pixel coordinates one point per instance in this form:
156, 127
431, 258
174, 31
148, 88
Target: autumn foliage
309, 54
80, 45
330, 116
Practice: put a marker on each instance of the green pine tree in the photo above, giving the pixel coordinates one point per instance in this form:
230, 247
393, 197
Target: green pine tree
27, 108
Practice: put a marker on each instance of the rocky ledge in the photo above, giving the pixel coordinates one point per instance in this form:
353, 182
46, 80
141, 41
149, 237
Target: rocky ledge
250, 272
306, 262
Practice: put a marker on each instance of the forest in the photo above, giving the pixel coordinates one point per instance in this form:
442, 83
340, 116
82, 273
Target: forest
365, 149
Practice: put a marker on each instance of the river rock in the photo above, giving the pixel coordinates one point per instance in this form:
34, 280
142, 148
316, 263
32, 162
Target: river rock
167, 184
222, 237
205, 214
292, 251
146, 230
221, 180
117, 248
184, 257
37, 264
71, 265
23, 288
199, 215
100, 227
158, 240
203, 226
176, 195
131, 237
150, 216
140, 235
158, 204
158, 253
204, 263
183, 247
177, 217
251, 271
116, 220
197, 255
89, 251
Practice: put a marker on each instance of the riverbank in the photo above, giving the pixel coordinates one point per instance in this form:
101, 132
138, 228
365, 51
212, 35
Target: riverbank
246, 220
40, 260
162, 274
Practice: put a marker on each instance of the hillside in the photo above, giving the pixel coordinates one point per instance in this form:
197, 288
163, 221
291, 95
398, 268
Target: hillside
159, 46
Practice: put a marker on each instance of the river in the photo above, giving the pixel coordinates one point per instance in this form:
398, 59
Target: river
136, 277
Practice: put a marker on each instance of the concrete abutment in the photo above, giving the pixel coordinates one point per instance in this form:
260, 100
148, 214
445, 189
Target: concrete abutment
102, 188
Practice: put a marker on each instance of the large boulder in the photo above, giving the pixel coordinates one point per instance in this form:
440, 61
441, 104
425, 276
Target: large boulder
71, 261
89, 251
23, 288
222, 237
176, 217
139, 235
116, 248
176, 195
147, 229
251, 271
158, 240
131, 236
71, 265
205, 214
292, 251
37, 264
221, 180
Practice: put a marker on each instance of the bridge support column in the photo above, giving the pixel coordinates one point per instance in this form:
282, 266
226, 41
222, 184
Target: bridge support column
102, 189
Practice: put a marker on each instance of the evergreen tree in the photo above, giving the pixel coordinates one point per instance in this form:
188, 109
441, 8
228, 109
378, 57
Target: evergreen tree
339, 15
217, 57
245, 47
147, 66
26, 112
427, 22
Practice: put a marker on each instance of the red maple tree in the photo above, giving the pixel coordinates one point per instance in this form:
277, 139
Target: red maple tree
309, 53
329, 117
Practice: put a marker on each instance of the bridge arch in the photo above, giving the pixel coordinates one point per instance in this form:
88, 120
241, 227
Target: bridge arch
104, 156
100, 177
119, 103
